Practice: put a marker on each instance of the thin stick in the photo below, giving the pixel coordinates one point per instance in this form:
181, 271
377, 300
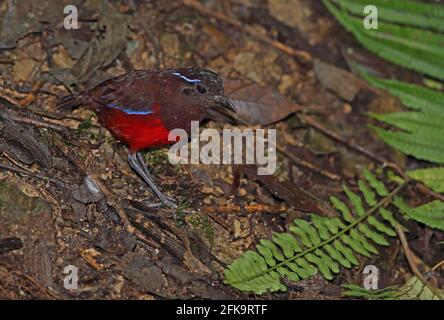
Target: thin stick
308, 165
303, 56
357, 148
32, 95
438, 265
247, 208
410, 259
37, 123
16, 163
299, 162
32, 174
46, 291
333, 135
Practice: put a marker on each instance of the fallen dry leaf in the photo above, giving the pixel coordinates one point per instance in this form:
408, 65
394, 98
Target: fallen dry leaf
345, 84
259, 105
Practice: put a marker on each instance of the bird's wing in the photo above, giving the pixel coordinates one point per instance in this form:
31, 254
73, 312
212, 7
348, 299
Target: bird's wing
131, 93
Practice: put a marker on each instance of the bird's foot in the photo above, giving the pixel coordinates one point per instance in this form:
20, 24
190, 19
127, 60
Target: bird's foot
164, 201
168, 202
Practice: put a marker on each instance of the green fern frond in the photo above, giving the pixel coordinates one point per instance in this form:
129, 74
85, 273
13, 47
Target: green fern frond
421, 135
417, 144
412, 96
355, 291
430, 214
406, 12
421, 130
431, 177
413, 289
322, 245
394, 43
416, 122
401, 35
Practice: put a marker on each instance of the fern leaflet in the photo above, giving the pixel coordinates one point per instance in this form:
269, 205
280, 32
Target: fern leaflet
431, 177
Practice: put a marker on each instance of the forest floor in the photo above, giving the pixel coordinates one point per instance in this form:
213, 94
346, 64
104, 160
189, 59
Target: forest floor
290, 60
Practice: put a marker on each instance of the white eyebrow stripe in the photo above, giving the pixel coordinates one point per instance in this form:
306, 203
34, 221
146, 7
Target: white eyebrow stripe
185, 78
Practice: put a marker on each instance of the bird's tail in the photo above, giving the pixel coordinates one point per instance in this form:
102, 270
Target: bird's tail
71, 101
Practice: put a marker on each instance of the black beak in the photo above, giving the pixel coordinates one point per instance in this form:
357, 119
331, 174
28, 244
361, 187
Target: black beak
224, 102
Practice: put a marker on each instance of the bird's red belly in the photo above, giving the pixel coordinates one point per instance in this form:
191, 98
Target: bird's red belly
137, 131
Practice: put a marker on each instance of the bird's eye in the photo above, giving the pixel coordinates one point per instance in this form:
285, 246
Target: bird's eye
187, 91
201, 89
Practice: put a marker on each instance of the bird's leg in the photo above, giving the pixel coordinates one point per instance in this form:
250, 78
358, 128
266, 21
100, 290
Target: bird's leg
147, 172
136, 162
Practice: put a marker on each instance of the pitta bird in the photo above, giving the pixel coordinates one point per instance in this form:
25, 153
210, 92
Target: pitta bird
140, 108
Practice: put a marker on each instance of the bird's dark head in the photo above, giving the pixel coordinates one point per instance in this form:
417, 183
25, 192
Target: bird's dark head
203, 87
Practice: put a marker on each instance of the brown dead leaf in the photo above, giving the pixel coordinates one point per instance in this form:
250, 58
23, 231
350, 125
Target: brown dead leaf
24, 69
259, 105
345, 84
61, 58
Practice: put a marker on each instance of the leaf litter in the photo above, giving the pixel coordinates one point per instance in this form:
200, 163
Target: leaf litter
50, 215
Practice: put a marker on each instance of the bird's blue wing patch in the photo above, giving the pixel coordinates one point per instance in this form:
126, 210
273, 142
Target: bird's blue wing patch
185, 78
129, 110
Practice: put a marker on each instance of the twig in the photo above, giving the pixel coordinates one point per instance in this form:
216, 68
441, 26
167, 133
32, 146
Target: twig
35, 175
333, 135
46, 291
37, 123
248, 208
31, 96
438, 265
213, 211
64, 130
9, 99
308, 165
303, 56
89, 257
357, 148
217, 219
299, 162
410, 259
432, 193
16, 163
